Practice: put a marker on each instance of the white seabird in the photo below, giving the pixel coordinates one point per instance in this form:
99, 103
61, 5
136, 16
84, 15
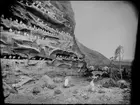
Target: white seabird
66, 82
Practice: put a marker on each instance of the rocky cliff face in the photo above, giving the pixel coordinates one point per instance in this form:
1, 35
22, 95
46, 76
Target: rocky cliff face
40, 28
93, 57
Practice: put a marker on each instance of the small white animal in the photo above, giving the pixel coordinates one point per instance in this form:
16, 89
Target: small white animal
14, 57
10, 57
92, 85
66, 82
79, 70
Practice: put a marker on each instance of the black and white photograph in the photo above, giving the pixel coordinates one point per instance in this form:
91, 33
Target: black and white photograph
67, 52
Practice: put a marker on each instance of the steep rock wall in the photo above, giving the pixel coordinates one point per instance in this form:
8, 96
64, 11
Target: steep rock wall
31, 28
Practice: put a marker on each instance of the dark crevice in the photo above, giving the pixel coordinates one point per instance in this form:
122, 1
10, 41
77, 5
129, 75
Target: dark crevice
16, 56
66, 56
51, 37
4, 27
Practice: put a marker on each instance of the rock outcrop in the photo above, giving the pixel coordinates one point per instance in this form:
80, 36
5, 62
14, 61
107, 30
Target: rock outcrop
40, 28
92, 57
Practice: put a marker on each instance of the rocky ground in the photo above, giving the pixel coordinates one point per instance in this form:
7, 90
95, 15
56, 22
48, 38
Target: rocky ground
40, 83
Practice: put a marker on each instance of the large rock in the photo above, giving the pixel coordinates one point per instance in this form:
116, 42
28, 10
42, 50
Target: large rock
39, 28
58, 79
122, 84
46, 81
72, 100
43, 28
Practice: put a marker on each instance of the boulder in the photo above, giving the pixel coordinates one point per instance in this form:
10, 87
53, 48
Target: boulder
51, 86
72, 100
46, 81
23, 80
57, 91
36, 90
108, 82
84, 95
122, 84
6, 93
75, 91
8, 89
58, 79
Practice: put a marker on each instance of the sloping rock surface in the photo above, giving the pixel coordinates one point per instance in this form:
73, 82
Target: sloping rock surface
41, 29
93, 57
32, 28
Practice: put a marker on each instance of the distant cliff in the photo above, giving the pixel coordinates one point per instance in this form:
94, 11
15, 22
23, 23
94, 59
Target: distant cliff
93, 57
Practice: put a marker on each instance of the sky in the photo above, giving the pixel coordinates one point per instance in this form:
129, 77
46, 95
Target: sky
104, 25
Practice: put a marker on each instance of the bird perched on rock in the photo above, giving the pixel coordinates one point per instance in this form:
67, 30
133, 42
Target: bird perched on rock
92, 85
67, 82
